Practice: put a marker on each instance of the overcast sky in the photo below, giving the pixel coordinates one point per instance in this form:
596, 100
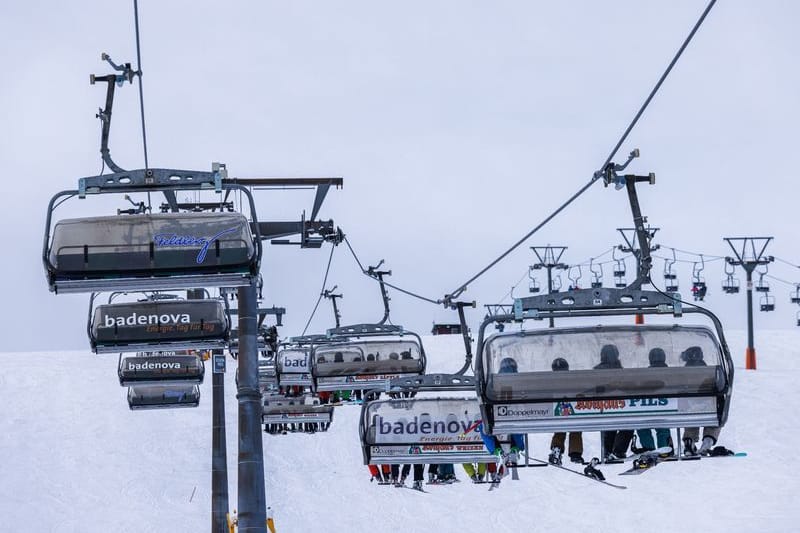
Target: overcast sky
457, 126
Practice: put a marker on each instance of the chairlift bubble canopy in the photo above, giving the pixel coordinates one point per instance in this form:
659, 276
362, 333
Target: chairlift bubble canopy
304, 409
603, 388
165, 368
142, 397
366, 357
158, 325
152, 251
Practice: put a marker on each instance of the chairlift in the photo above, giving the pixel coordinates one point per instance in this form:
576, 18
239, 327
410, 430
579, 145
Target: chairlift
533, 285
365, 356
158, 325
767, 303
698, 281
427, 430
794, 296
730, 285
761, 284
574, 280
142, 397
293, 365
670, 276
669, 272
621, 386
267, 375
619, 264
161, 368
151, 251
302, 413
556, 281
797, 316
597, 275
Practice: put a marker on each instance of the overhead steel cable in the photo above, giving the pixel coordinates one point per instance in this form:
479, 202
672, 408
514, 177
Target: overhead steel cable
139, 74
395, 287
321, 292
457, 292
786, 262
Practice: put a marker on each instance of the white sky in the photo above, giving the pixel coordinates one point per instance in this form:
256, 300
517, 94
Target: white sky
457, 127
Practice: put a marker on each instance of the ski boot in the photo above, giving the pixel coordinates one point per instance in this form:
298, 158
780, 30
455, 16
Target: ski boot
555, 456
644, 462
705, 447
402, 481
575, 457
417, 485
689, 449
591, 470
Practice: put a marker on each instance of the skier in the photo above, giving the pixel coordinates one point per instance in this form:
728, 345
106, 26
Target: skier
693, 356
558, 440
615, 443
658, 359
508, 365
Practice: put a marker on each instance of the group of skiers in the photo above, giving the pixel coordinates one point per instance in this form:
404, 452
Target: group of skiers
617, 443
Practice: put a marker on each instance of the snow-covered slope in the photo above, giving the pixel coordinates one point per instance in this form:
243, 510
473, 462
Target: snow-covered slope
76, 459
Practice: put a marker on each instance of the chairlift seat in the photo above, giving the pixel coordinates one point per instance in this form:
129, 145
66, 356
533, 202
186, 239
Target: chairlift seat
422, 430
163, 396
672, 287
151, 251
159, 325
597, 284
160, 370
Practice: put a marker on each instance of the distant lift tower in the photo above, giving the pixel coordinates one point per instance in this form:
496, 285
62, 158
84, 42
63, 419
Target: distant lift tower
549, 257
749, 253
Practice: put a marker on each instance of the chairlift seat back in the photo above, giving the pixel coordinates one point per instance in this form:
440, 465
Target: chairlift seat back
151, 251
163, 324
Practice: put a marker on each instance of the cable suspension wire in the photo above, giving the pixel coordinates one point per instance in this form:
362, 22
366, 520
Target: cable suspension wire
139, 73
707, 257
321, 292
688, 261
779, 280
457, 292
395, 287
786, 262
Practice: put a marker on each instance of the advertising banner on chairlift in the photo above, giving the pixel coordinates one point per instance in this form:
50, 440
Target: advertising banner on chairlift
153, 321
603, 408
425, 429
294, 367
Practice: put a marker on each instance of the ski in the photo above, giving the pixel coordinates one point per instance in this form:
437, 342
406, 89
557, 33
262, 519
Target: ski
412, 488
561, 467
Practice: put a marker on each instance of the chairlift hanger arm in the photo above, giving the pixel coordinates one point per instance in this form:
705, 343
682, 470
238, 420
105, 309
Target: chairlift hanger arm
459, 306
105, 115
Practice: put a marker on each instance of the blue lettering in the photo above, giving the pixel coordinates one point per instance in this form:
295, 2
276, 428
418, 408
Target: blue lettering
166, 239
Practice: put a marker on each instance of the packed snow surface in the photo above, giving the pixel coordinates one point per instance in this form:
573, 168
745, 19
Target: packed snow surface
77, 459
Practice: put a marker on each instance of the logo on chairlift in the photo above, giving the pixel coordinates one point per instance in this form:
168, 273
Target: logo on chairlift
162, 240
563, 409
